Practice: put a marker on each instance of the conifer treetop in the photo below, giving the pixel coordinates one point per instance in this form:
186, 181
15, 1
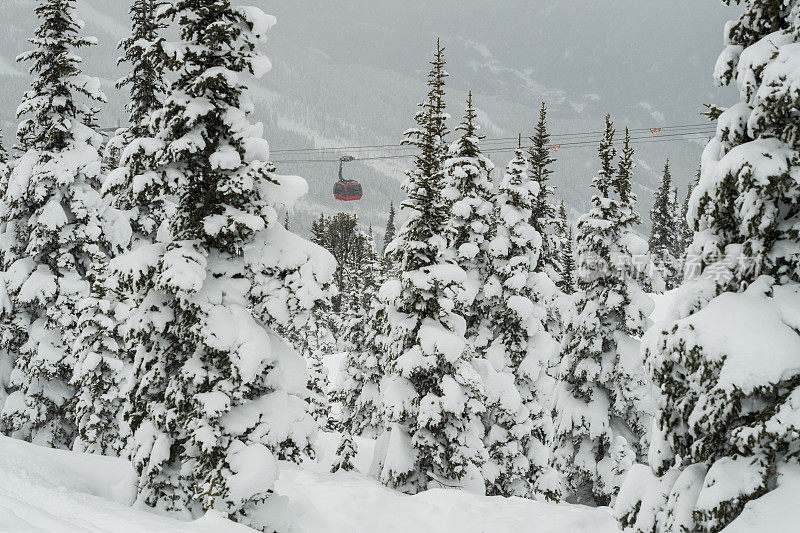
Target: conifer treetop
141, 49
605, 176
54, 112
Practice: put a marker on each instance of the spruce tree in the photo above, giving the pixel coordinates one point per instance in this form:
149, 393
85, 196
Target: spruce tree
133, 184
6, 332
134, 191
388, 236
599, 402
686, 230
358, 388
221, 395
469, 194
665, 237
567, 281
51, 227
101, 368
521, 346
432, 394
545, 216
317, 395
103, 357
145, 81
339, 235
725, 366
344, 454
319, 230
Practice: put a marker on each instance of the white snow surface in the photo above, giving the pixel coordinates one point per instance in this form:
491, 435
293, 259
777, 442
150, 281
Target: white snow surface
45, 490
54, 491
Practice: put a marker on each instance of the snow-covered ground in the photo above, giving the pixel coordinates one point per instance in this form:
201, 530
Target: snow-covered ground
53, 491
44, 490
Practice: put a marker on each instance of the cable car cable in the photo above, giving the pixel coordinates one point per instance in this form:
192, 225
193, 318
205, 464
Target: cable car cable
486, 140
574, 144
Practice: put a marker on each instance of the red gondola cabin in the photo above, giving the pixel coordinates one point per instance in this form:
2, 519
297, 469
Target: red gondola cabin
344, 189
347, 190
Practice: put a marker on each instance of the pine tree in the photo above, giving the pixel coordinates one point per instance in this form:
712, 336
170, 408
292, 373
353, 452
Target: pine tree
6, 332
432, 394
665, 234
686, 230
135, 195
51, 227
344, 454
469, 194
103, 358
726, 365
338, 234
286, 221
145, 78
319, 230
599, 379
388, 237
521, 347
309, 332
317, 396
133, 183
101, 367
358, 388
567, 281
545, 217
221, 396
308, 323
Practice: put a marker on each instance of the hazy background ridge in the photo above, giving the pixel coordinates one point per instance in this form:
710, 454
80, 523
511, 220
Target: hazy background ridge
351, 72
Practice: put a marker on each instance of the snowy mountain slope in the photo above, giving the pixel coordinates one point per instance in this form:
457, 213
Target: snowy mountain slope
351, 74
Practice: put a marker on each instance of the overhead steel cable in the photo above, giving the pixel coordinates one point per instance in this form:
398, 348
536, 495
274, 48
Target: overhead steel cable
669, 137
487, 140
558, 141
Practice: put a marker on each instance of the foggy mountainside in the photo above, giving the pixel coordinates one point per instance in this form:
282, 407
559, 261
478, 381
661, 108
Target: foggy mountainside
351, 73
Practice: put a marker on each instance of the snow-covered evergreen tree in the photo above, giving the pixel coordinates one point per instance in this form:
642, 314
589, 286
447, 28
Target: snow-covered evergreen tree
101, 369
469, 192
665, 237
145, 78
135, 206
432, 394
727, 364
304, 319
599, 403
318, 230
388, 237
567, 281
6, 316
221, 395
345, 453
51, 227
359, 380
686, 230
521, 347
135, 209
317, 396
545, 213
339, 235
